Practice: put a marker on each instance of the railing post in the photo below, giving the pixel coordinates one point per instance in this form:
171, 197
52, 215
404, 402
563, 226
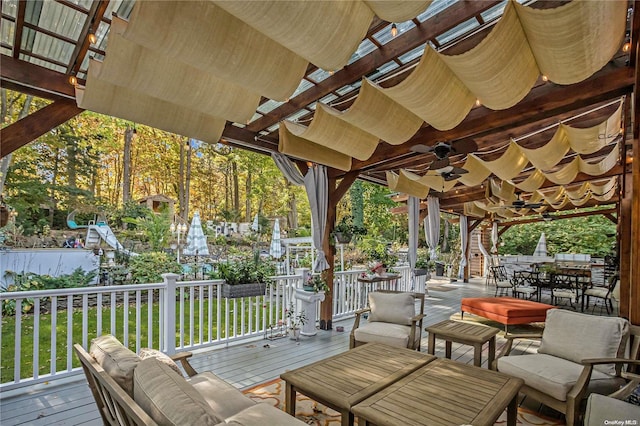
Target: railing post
170, 281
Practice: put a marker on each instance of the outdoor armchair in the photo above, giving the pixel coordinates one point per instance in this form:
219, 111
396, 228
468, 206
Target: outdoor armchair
603, 293
392, 320
602, 409
579, 354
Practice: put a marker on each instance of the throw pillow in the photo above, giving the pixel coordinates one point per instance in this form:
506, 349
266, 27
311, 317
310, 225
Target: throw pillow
160, 356
117, 361
169, 399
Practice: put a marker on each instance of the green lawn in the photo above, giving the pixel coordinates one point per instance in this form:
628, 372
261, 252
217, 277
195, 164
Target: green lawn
61, 349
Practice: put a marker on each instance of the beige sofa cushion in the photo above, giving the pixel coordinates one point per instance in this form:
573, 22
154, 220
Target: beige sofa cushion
396, 308
223, 398
145, 353
263, 415
602, 410
168, 398
554, 376
574, 336
383, 332
117, 361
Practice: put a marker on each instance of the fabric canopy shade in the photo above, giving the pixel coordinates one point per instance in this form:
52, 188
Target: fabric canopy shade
317, 186
414, 228
275, 248
499, 72
196, 240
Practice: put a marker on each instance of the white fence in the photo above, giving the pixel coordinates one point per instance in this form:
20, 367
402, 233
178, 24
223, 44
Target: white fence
51, 321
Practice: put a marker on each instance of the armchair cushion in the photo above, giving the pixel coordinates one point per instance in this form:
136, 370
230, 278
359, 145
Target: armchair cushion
554, 376
396, 308
262, 415
116, 360
602, 410
574, 336
221, 396
383, 332
168, 398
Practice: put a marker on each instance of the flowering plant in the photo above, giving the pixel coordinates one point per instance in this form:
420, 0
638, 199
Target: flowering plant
317, 283
295, 320
377, 268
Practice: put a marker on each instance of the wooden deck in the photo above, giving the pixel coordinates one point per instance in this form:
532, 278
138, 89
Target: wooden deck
69, 402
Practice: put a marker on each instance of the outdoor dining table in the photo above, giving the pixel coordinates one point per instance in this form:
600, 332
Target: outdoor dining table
549, 280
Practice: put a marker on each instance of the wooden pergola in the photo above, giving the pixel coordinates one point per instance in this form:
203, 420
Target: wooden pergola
47, 75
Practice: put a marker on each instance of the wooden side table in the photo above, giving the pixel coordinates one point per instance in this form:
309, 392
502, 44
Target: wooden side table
467, 334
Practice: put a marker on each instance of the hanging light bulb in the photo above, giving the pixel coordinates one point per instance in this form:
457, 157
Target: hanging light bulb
92, 37
394, 30
73, 80
545, 78
478, 103
626, 47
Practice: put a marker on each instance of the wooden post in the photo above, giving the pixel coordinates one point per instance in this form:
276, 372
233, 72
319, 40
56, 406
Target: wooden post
335, 195
634, 58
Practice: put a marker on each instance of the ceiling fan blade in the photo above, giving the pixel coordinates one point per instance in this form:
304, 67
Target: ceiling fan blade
450, 176
459, 171
464, 146
422, 148
534, 205
439, 164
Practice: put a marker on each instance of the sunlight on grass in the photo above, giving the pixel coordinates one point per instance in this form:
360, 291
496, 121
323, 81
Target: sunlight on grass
62, 351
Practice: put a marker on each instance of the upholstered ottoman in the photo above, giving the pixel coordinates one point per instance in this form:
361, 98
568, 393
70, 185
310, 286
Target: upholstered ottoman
506, 310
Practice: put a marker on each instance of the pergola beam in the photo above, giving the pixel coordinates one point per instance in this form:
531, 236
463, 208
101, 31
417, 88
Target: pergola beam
17, 39
37, 124
25, 77
608, 213
97, 10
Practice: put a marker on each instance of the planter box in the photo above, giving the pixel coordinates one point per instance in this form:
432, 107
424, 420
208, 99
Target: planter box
243, 290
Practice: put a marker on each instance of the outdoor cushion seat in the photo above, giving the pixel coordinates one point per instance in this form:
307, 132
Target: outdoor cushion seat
555, 376
578, 354
602, 410
221, 396
380, 332
506, 310
392, 320
525, 289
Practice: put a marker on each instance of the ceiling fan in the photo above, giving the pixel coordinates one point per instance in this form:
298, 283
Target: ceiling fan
442, 151
519, 203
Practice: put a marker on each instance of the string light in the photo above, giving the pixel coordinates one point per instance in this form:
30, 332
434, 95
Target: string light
73, 80
394, 30
478, 103
545, 78
92, 37
626, 47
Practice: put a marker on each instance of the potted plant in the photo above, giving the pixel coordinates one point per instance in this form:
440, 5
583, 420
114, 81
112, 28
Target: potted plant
343, 231
295, 321
244, 277
424, 265
315, 283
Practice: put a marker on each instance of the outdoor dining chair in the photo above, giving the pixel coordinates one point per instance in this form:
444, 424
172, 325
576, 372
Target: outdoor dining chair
564, 287
603, 293
524, 284
501, 279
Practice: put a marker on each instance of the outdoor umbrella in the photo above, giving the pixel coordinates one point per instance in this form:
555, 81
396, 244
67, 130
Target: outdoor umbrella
541, 248
275, 249
196, 240
254, 225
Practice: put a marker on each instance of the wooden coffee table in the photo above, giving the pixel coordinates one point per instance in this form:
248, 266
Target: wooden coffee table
343, 380
443, 392
467, 334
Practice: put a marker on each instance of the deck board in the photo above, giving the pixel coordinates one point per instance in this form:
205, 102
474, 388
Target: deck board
243, 364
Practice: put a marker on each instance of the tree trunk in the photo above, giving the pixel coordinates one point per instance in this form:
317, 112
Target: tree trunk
236, 187
187, 183
6, 160
445, 237
54, 182
181, 195
247, 203
126, 172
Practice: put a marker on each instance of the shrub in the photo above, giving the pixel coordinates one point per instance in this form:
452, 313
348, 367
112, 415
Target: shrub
245, 271
149, 267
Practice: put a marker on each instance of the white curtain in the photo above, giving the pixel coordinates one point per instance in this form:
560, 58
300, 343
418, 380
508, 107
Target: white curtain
316, 184
464, 242
414, 213
485, 254
432, 226
494, 238
288, 169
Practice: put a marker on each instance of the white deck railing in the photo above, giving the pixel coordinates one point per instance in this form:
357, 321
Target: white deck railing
51, 321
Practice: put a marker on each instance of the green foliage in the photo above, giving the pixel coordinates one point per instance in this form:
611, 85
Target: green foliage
245, 271
594, 235
376, 249
423, 260
316, 283
128, 213
149, 267
356, 192
155, 227
28, 281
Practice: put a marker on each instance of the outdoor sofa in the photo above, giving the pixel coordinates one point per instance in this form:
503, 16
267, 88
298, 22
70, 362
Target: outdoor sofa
130, 390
